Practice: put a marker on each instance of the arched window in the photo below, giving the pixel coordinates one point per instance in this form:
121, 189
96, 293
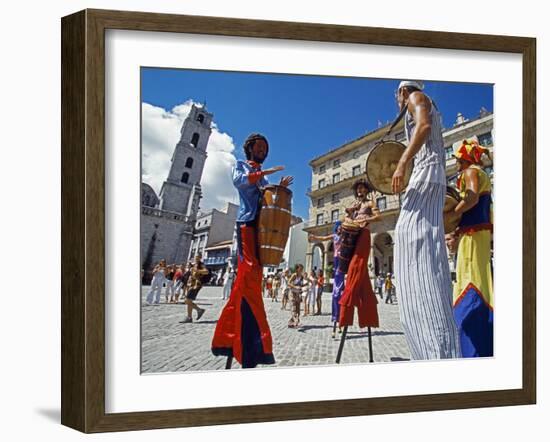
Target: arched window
200, 118
189, 163
185, 177
195, 139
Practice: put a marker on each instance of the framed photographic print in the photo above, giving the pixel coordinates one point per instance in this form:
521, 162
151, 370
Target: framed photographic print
268, 221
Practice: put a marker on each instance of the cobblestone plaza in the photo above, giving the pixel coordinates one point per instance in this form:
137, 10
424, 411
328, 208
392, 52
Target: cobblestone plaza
168, 346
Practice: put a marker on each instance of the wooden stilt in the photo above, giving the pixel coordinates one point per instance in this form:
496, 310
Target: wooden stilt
228, 362
341, 346
371, 357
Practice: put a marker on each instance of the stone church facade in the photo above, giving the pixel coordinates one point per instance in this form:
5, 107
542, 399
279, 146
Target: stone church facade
168, 219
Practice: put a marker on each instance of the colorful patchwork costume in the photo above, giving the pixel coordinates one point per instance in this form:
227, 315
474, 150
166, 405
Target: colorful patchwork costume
473, 294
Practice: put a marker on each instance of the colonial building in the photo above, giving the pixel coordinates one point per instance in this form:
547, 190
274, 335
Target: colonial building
334, 172
167, 220
213, 236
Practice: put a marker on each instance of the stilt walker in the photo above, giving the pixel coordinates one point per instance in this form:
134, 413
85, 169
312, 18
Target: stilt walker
338, 277
242, 331
422, 274
358, 292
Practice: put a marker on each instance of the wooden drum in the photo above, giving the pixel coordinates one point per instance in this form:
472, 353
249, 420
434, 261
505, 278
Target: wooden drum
381, 164
349, 236
274, 223
452, 198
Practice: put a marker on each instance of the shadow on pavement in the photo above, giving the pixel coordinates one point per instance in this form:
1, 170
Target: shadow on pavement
358, 335
305, 328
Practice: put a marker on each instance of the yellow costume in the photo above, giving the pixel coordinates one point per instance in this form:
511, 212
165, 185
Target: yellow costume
473, 292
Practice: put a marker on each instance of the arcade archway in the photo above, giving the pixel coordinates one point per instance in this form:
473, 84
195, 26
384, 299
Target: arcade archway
383, 253
318, 257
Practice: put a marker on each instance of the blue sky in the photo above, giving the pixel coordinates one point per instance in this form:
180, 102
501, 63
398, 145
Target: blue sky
302, 116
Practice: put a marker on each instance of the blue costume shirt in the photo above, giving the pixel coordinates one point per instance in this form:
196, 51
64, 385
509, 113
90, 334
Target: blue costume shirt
249, 194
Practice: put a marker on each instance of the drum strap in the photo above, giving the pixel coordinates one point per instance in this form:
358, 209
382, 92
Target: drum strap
401, 115
397, 120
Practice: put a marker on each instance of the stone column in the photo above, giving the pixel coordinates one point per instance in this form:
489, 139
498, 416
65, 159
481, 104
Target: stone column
371, 261
309, 257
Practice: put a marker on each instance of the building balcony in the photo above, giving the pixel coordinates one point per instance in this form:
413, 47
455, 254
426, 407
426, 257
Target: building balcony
325, 227
346, 179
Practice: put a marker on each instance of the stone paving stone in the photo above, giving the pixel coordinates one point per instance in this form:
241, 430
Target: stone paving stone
168, 346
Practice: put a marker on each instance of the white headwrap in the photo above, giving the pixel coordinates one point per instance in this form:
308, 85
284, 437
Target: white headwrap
412, 83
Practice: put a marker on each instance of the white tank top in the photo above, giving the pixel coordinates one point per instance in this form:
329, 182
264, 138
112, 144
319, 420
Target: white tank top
429, 161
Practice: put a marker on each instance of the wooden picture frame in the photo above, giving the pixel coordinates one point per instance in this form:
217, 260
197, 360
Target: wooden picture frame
83, 220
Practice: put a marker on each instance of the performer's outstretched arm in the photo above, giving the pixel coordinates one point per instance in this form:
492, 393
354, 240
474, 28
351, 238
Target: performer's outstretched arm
311, 237
242, 178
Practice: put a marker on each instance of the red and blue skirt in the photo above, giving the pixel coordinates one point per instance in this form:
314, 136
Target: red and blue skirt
242, 330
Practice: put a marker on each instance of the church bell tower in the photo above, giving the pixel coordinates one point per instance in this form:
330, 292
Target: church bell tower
181, 192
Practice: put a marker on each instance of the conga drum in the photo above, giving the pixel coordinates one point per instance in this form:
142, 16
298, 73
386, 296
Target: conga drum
381, 164
274, 224
348, 239
452, 198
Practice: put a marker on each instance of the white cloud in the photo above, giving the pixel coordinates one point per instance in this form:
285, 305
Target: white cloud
160, 134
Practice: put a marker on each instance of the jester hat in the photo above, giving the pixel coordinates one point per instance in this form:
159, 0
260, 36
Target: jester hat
470, 151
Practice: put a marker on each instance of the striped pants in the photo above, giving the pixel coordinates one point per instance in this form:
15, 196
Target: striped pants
422, 275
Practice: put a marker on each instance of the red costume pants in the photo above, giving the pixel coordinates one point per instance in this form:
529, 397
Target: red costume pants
242, 330
358, 289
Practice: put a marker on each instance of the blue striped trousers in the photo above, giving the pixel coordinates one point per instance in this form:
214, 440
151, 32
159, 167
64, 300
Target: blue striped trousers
423, 279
